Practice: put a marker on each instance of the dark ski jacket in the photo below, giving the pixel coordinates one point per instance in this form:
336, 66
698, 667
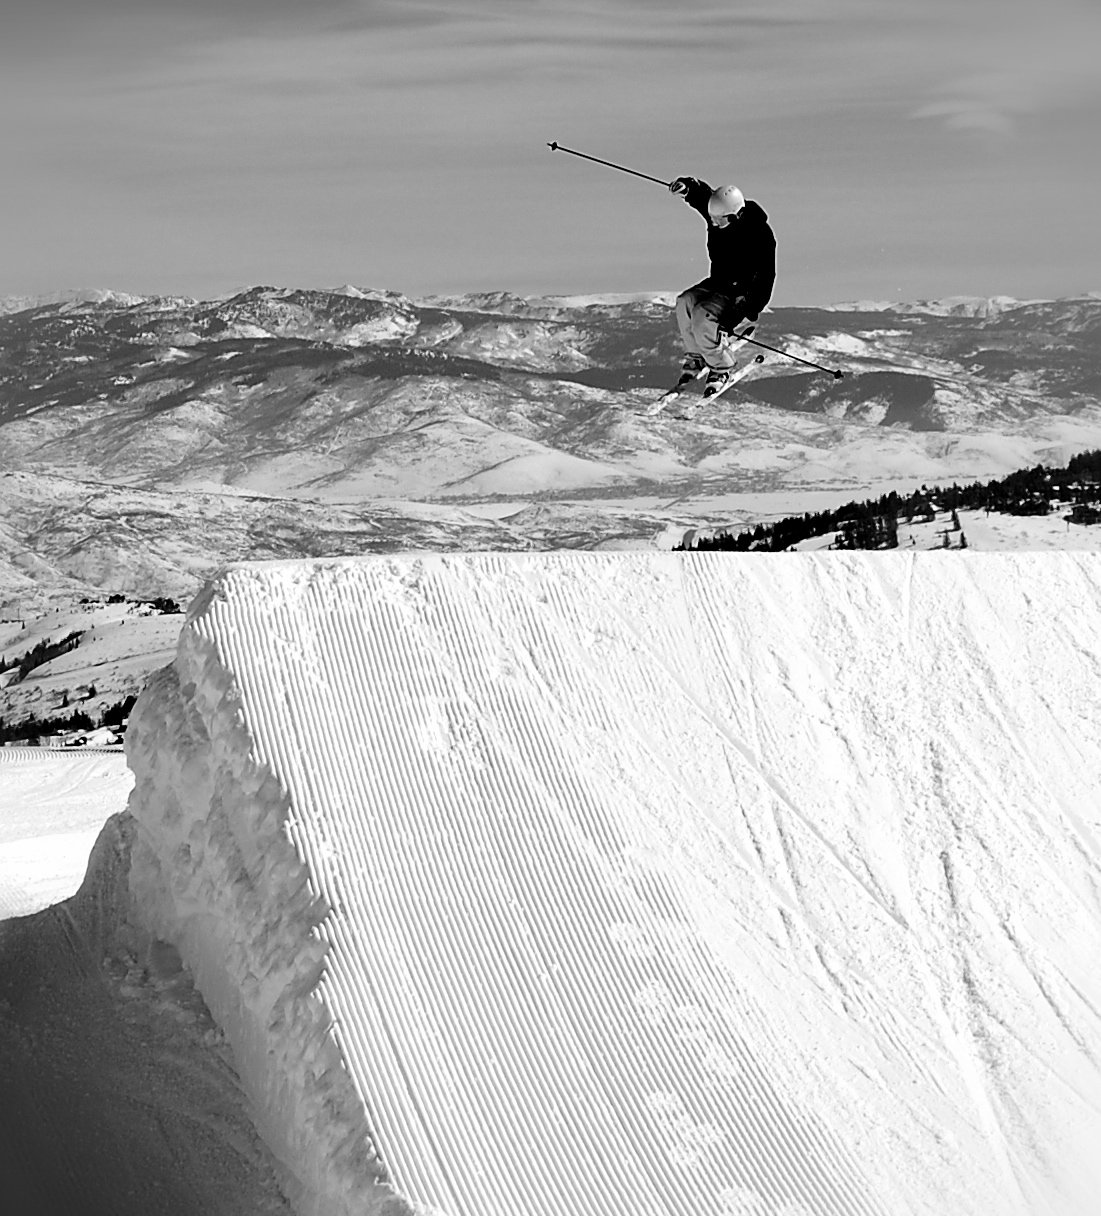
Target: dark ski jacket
743, 254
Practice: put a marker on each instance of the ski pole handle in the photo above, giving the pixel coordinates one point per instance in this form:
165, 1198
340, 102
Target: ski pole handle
557, 147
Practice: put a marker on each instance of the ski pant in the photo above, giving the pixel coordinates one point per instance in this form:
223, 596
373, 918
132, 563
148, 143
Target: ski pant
699, 310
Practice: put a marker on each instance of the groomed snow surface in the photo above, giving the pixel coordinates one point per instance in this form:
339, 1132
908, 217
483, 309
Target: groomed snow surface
53, 804
644, 884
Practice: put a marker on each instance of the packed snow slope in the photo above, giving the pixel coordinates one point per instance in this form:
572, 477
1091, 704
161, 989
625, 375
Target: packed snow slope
53, 804
645, 884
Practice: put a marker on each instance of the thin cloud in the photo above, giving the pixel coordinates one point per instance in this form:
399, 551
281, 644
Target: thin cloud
1015, 61
966, 114
291, 133
64, 29
26, 12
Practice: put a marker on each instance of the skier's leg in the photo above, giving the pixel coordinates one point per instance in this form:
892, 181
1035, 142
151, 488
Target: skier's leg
684, 308
707, 333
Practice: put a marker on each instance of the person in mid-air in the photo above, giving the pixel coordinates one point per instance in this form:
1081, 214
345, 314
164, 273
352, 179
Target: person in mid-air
742, 249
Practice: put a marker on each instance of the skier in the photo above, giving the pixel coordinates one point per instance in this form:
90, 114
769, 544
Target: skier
742, 249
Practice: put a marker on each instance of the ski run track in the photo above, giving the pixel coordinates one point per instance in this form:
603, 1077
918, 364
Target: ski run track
625, 884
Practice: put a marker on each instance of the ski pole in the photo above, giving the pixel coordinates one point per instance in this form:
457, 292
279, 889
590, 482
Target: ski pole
836, 373
557, 147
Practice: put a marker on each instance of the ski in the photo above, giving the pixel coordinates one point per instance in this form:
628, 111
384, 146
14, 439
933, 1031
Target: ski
678, 390
736, 374
687, 379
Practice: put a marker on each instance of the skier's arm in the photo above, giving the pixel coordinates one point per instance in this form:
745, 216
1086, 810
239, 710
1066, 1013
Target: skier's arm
694, 192
755, 291
764, 275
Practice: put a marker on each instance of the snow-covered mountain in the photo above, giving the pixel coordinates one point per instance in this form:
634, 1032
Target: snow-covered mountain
10, 304
146, 441
948, 306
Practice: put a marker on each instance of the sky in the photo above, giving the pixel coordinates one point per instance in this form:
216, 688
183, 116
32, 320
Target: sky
904, 149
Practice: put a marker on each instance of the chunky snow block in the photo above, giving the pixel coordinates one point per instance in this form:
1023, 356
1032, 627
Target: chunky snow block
644, 884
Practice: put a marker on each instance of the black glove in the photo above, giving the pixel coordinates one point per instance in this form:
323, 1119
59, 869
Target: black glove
681, 185
733, 313
739, 309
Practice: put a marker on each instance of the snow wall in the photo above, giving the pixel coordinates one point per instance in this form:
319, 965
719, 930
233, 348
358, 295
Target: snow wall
644, 884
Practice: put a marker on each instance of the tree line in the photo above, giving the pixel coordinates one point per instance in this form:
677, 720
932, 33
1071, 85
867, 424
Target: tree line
39, 654
34, 727
873, 523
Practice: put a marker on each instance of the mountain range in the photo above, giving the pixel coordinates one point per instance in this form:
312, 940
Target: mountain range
146, 441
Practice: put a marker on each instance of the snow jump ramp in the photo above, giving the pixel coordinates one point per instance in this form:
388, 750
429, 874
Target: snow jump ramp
644, 884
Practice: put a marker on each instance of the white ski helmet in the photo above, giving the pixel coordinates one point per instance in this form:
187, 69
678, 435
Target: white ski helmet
723, 203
